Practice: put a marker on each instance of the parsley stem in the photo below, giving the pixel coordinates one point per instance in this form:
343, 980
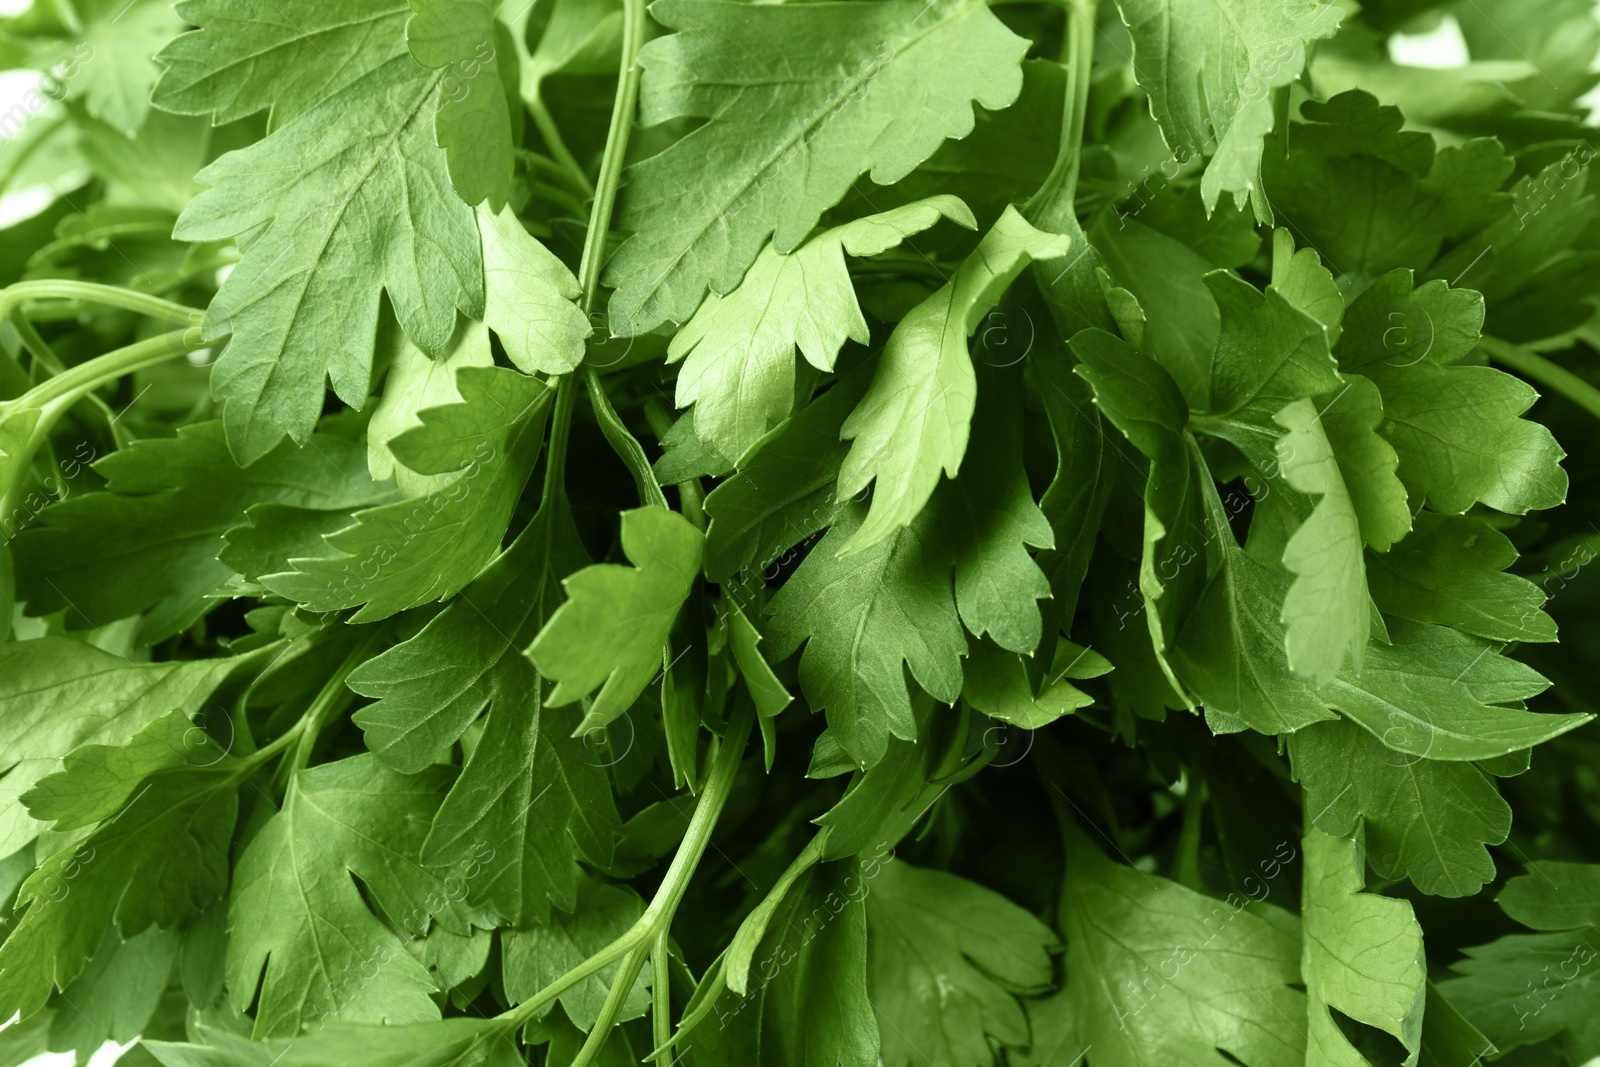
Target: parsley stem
333, 696
660, 992
53, 396
691, 494
1544, 371
18, 293
558, 146
623, 443
594, 248
555, 462
44, 357
1053, 205
71, 384
557, 196
657, 918
610, 179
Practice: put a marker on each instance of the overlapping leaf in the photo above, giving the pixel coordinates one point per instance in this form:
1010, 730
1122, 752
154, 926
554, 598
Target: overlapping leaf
788, 127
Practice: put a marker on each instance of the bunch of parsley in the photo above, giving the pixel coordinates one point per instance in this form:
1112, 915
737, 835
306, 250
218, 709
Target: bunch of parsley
901, 532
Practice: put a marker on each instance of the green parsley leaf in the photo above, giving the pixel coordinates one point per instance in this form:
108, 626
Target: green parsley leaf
1526, 988
529, 799
299, 927
895, 77
301, 52
472, 121
410, 552
916, 416
1425, 820
1451, 570
61, 694
738, 349
863, 618
610, 633
1152, 977
529, 298
1361, 954
1456, 428
1211, 84
352, 203
159, 860
168, 502
943, 959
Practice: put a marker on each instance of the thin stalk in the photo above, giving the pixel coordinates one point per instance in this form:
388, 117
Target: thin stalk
44, 357
657, 918
623, 443
616, 999
557, 145
333, 696
54, 396
1545, 372
660, 992
559, 196
605, 195
691, 494
605, 202
18, 293
555, 467
71, 384
1053, 205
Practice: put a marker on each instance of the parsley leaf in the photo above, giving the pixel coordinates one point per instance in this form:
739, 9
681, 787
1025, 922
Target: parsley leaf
738, 349
472, 121
399, 555
944, 957
354, 202
1361, 954
610, 633
1211, 85
298, 925
529, 799
897, 77
917, 413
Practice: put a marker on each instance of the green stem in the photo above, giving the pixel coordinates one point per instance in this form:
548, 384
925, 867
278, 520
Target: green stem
558, 146
691, 495
15, 295
1053, 205
623, 443
594, 237
1545, 372
657, 918
605, 196
71, 384
660, 992
559, 197
555, 476
44, 357
329, 699
616, 999
54, 396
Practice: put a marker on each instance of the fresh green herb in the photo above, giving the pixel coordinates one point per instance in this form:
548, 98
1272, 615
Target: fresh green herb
1097, 448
